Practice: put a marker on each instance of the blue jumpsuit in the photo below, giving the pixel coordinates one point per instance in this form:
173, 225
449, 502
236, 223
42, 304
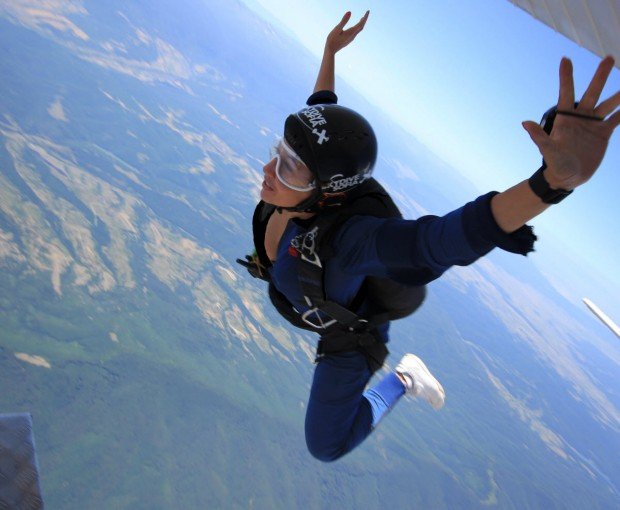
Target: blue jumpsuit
341, 413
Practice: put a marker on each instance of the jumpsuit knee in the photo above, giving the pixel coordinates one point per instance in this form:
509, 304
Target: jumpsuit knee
338, 417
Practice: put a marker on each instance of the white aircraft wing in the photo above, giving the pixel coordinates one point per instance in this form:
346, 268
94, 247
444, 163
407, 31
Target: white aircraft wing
594, 24
602, 316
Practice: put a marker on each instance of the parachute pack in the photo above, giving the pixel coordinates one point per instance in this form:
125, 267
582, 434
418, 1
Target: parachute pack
340, 327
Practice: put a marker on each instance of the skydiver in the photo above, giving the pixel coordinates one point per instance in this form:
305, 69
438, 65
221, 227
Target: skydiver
317, 170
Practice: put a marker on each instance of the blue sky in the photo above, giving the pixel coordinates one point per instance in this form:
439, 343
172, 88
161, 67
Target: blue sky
461, 77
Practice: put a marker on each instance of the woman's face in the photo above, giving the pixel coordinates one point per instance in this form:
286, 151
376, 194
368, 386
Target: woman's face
283, 173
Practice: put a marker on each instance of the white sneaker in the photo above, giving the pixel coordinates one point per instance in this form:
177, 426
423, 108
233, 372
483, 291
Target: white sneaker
420, 382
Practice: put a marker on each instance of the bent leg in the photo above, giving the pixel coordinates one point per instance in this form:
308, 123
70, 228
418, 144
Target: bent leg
340, 413
338, 417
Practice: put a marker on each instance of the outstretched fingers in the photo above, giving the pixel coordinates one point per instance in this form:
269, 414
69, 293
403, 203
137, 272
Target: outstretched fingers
566, 100
537, 134
345, 19
593, 93
608, 106
587, 104
359, 26
614, 121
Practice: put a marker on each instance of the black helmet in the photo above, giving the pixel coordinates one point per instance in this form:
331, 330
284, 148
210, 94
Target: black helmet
337, 144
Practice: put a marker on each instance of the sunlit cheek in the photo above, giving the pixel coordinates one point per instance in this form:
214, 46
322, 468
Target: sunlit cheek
285, 197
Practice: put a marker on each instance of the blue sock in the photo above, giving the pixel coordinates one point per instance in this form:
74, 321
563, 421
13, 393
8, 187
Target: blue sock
383, 396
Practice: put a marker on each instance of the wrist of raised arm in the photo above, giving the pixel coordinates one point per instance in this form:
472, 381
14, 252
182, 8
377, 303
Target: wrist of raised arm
555, 182
329, 50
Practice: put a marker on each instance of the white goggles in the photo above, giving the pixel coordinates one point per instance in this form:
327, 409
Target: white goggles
290, 169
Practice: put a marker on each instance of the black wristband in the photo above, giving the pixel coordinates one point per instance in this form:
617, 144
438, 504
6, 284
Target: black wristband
541, 188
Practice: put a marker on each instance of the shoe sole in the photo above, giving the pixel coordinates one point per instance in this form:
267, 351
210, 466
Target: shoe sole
436, 403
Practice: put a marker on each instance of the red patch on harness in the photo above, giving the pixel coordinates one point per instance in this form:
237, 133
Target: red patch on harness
292, 251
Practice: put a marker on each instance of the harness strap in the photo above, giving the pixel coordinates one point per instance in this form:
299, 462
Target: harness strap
340, 328
311, 276
368, 343
344, 330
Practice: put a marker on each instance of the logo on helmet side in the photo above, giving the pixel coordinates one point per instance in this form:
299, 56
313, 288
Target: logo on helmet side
322, 136
314, 116
338, 182
311, 118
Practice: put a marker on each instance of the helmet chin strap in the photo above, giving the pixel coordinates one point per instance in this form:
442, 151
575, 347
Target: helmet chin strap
308, 206
317, 202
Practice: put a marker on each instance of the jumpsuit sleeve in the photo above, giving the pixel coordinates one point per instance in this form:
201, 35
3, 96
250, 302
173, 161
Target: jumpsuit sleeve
416, 252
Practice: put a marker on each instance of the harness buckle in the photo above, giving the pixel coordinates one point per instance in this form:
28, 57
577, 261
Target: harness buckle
360, 327
307, 247
319, 322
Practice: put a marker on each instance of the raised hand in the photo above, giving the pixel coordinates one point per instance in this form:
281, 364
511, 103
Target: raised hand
577, 143
338, 38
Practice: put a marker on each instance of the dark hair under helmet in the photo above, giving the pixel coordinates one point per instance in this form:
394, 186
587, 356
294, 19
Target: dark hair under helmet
337, 144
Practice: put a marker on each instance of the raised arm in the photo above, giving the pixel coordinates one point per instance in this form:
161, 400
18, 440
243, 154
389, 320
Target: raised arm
337, 39
572, 151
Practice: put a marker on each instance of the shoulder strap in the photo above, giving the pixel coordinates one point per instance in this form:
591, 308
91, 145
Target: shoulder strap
310, 272
370, 199
261, 216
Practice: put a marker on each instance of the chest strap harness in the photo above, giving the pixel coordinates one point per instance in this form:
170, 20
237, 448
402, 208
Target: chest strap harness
340, 329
